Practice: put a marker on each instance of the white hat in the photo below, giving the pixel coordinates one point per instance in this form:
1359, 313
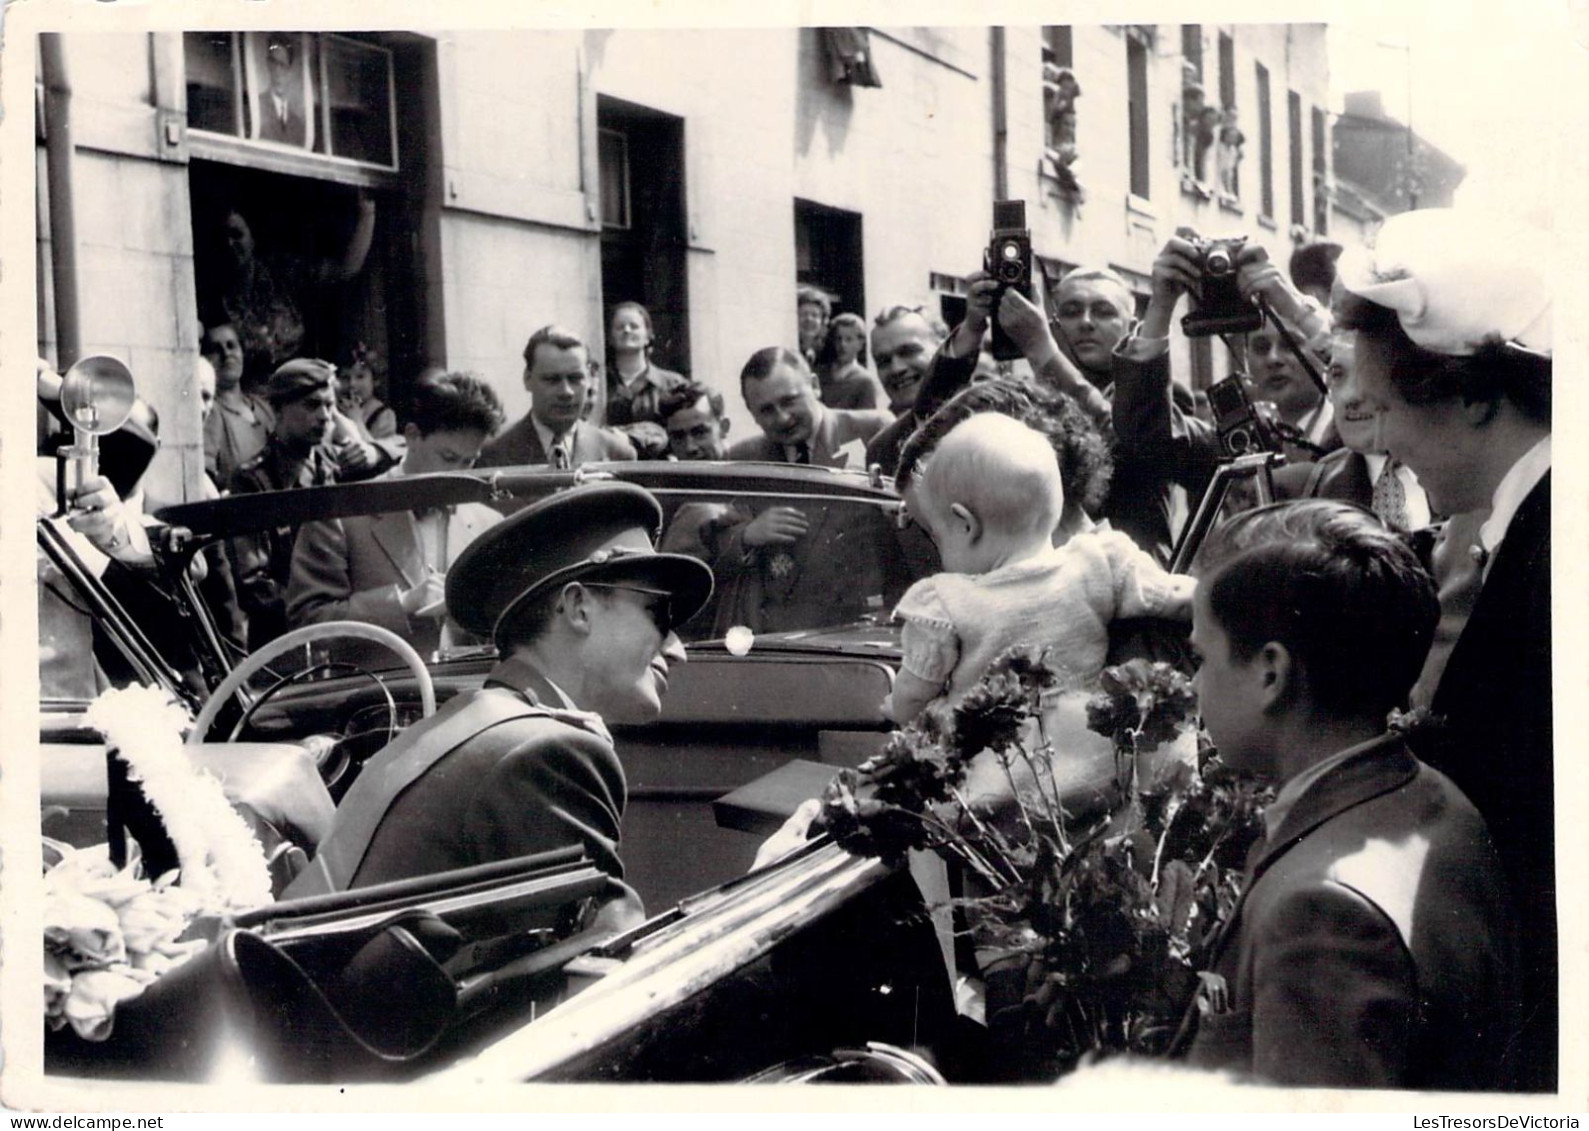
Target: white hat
1455, 279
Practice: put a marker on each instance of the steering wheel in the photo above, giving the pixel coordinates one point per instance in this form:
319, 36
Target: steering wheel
311, 632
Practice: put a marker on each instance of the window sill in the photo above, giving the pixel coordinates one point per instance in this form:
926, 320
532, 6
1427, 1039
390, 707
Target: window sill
1196, 189
1231, 204
1140, 206
1266, 221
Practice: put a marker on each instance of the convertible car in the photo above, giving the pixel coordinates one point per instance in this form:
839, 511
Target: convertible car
820, 966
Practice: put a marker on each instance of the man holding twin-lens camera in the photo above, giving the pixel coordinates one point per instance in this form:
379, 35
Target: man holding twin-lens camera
1278, 402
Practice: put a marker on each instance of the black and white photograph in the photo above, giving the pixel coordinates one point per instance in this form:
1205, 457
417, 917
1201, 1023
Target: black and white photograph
712, 547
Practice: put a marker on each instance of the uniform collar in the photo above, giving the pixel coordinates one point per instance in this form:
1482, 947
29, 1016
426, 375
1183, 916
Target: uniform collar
523, 677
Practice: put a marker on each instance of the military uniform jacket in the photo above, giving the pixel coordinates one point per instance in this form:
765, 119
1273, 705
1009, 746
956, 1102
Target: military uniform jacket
262, 562
1373, 946
522, 775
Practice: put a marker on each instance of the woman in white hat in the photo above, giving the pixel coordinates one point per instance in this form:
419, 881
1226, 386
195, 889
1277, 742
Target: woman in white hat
1452, 325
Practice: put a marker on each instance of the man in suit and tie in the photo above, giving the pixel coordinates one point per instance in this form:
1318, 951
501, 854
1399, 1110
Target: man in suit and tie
1452, 319
390, 569
281, 109
796, 427
558, 376
1372, 946
786, 569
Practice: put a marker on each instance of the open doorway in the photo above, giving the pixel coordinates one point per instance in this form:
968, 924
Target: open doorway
828, 254
643, 235
300, 262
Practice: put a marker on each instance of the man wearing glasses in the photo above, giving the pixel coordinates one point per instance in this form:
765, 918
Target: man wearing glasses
582, 609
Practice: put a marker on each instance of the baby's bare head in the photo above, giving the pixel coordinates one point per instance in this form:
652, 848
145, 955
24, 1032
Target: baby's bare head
1002, 471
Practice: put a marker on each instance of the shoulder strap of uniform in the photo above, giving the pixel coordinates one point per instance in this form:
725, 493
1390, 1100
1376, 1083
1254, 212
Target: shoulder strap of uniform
393, 770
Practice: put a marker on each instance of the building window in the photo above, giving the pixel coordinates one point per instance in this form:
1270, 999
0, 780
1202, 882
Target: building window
1227, 70
1299, 216
1192, 50
612, 148
644, 232
829, 254
330, 95
1137, 94
1266, 171
1198, 120
1060, 92
1057, 46
1321, 173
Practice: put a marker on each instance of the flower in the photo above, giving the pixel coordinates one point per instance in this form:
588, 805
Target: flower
1091, 932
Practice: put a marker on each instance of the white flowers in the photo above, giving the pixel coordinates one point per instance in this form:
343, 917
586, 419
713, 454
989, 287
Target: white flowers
109, 932
107, 935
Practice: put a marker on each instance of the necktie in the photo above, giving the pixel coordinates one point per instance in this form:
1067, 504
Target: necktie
1390, 497
560, 460
802, 453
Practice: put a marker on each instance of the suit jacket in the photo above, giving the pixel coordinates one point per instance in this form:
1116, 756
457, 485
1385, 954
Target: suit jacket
1342, 474
1373, 944
837, 427
355, 568
840, 570
546, 779
521, 444
271, 128
1497, 745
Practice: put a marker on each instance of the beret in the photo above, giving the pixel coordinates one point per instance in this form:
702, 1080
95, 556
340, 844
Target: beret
298, 378
1455, 279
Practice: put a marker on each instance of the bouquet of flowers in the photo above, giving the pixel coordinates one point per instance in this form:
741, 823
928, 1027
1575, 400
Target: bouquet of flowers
1089, 920
109, 932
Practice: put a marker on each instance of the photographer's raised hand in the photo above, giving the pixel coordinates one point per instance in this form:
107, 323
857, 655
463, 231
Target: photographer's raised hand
1176, 271
1256, 275
966, 341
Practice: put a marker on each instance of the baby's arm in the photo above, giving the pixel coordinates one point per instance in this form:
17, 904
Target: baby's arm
1144, 588
930, 649
910, 696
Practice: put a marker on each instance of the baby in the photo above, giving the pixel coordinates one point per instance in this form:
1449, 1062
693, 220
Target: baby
990, 497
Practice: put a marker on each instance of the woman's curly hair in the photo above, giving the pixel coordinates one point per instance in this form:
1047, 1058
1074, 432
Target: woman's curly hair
1085, 461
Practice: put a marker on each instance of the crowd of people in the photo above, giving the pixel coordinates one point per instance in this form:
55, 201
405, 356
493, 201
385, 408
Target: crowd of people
1399, 922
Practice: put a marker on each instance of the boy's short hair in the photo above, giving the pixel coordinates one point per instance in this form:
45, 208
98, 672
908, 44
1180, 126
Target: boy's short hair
1002, 470
684, 396
1346, 596
454, 402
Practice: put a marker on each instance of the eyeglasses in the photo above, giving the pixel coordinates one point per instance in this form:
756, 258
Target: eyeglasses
660, 612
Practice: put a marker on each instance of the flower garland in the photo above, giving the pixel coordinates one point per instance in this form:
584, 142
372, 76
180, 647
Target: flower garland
222, 861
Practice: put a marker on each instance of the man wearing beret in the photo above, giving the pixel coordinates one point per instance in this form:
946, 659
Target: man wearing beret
297, 453
1452, 323
582, 611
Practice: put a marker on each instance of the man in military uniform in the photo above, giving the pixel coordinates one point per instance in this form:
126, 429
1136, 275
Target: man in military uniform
582, 610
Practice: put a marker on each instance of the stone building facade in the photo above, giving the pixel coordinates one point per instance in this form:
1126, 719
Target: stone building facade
524, 176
